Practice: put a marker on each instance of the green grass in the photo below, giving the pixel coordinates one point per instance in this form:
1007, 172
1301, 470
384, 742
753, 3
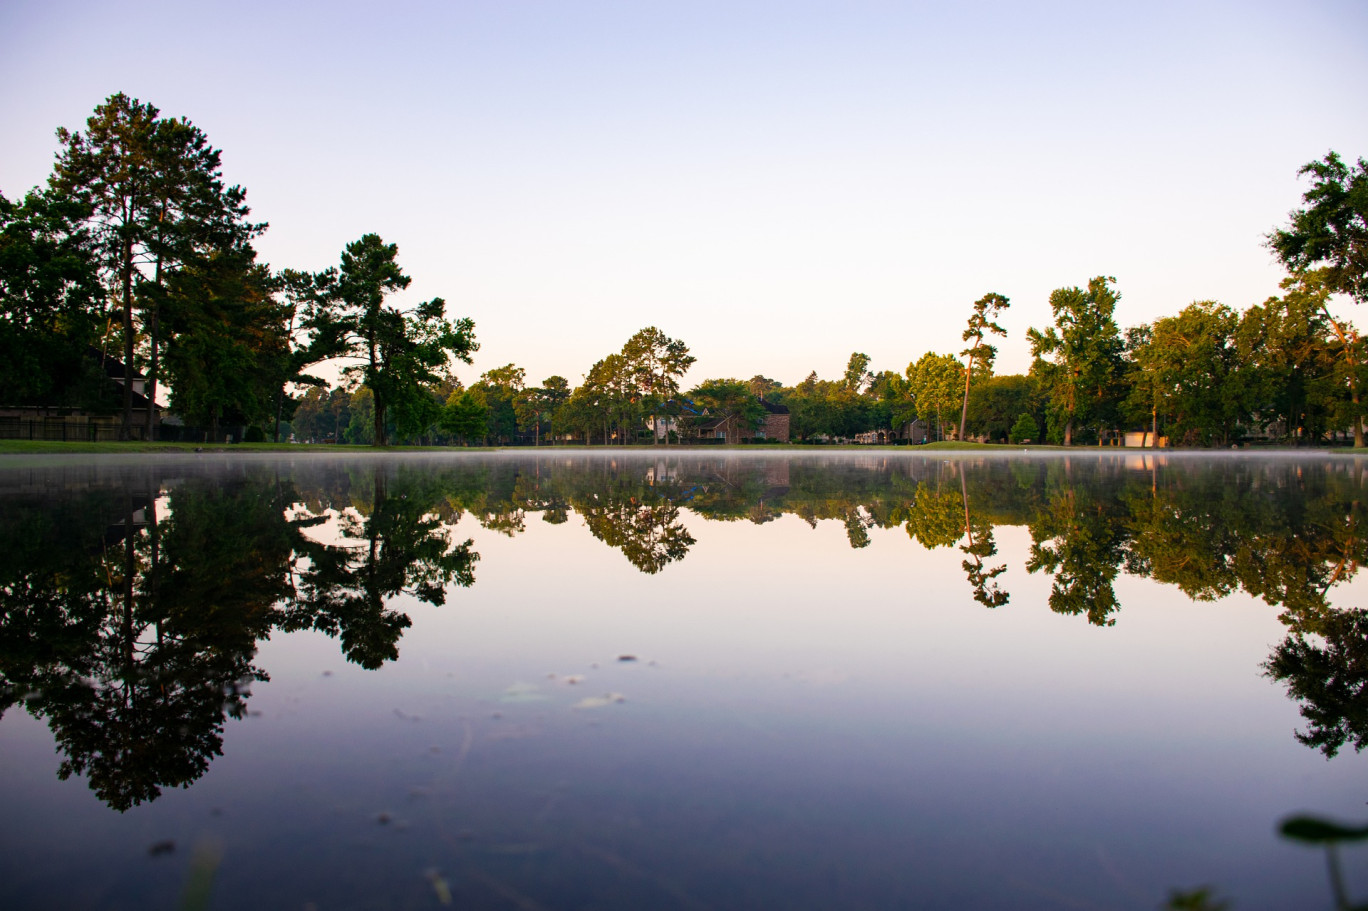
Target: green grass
30, 447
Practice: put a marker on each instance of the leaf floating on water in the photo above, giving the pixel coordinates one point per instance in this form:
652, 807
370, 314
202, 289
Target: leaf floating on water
162, 847
1317, 831
200, 886
522, 692
574, 679
439, 885
594, 702
627, 657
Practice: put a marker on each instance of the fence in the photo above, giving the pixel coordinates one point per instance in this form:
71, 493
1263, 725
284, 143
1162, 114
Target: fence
71, 430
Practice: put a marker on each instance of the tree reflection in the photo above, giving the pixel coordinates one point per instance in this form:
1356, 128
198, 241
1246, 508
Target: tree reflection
398, 545
130, 620
1079, 541
1330, 680
131, 610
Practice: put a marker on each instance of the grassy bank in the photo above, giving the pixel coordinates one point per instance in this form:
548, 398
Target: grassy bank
37, 447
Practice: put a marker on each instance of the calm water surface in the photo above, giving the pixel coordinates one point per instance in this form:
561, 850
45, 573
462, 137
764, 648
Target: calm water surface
564, 681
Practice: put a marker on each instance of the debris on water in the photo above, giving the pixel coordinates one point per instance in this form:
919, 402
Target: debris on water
496, 715
574, 679
159, 848
516, 849
627, 657
594, 702
216, 811
434, 749
400, 714
522, 692
383, 818
327, 673
199, 888
439, 885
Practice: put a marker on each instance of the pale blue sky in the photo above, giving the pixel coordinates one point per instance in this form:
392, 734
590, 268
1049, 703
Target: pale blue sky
778, 184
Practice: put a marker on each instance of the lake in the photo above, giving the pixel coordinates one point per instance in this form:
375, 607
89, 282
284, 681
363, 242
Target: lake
561, 680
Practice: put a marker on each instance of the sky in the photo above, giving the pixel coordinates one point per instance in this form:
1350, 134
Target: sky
777, 184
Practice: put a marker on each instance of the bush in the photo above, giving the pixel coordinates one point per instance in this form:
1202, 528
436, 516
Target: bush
1024, 430
254, 434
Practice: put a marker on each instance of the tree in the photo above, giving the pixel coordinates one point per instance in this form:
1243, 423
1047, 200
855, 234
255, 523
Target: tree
50, 303
856, 372
986, 309
1084, 351
403, 349
1333, 228
612, 395
1188, 368
313, 331
498, 390
996, 402
1302, 359
229, 338
154, 197
656, 362
464, 416
536, 406
934, 382
1025, 430
731, 401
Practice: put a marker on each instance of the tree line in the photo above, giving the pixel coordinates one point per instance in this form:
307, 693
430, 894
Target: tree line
138, 251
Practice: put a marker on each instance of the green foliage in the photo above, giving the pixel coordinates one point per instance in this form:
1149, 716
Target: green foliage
154, 199
50, 303
934, 382
1332, 230
228, 335
465, 416
1078, 359
996, 404
731, 401
981, 323
1187, 371
1025, 430
404, 350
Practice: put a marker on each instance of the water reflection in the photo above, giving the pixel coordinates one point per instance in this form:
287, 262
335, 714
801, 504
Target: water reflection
130, 612
132, 601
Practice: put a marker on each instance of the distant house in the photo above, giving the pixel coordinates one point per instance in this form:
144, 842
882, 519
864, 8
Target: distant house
775, 426
40, 422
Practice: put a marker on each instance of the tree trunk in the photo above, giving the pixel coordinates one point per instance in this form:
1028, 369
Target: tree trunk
150, 389
1068, 432
154, 328
126, 428
964, 409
